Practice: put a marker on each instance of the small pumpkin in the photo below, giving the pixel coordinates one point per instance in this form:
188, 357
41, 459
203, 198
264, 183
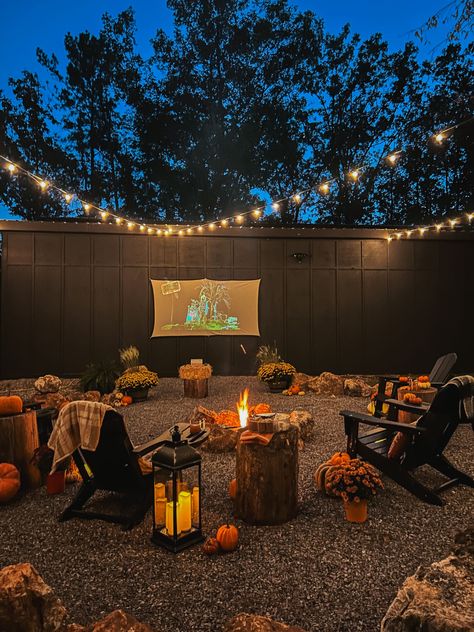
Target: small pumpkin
10, 405
338, 458
211, 546
126, 400
9, 482
233, 488
295, 389
403, 379
228, 537
261, 409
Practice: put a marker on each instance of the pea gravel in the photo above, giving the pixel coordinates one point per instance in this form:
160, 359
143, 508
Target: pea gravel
317, 571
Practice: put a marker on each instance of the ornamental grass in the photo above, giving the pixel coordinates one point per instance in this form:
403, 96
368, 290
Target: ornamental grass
353, 481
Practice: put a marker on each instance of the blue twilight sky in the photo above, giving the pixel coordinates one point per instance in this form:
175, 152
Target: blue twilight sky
26, 25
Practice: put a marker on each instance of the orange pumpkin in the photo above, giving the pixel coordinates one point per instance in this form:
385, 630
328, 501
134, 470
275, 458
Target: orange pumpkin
9, 482
228, 537
294, 390
338, 458
10, 405
210, 546
233, 488
403, 378
126, 400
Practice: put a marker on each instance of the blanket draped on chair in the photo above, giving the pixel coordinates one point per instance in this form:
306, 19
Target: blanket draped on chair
465, 384
78, 426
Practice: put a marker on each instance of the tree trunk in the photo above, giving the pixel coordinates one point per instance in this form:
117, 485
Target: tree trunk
267, 479
195, 388
18, 441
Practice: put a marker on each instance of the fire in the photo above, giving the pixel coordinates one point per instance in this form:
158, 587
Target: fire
243, 409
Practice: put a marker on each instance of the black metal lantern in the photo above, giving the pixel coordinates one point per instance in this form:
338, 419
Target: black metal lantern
177, 494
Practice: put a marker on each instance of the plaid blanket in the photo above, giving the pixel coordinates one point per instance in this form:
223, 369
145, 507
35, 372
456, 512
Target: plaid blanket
78, 426
465, 384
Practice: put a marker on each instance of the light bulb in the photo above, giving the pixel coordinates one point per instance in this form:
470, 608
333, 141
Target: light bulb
257, 212
439, 227
408, 233
422, 230
149, 231
130, 225
180, 231
142, 227
118, 220
439, 137
354, 174
453, 222
189, 231
239, 218
275, 206
297, 198
470, 217
10, 166
159, 231
104, 214
224, 223
389, 238
392, 158
399, 235
43, 184
86, 207
211, 226
324, 188
67, 197
200, 229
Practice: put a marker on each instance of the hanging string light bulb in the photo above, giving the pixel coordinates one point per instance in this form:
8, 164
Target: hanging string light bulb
324, 188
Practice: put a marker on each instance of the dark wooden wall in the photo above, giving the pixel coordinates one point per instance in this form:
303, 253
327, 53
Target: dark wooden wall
356, 304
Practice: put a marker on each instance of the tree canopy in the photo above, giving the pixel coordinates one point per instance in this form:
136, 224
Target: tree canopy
244, 102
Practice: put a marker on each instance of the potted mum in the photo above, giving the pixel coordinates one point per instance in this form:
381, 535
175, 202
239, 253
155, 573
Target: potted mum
354, 481
136, 380
272, 369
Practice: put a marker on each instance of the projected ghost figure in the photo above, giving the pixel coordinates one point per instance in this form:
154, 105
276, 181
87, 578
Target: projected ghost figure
205, 307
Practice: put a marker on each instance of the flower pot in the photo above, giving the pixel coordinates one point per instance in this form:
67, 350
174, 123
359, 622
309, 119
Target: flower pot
55, 482
137, 394
277, 386
356, 512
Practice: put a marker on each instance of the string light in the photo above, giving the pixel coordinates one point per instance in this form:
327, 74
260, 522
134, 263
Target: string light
422, 230
200, 229
211, 226
256, 213
275, 206
142, 227
453, 222
86, 206
43, 184
104, 214
224, 223
67, 197
189, 231
239, 219
354, 174
470, 217
438, 227
439, 137
11, 167
392, 158
408, 233
159, 231
324, 188
398, 235
130, 225
389, 238
118, 220
180, 231
297, 198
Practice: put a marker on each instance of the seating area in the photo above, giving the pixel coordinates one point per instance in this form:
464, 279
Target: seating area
90, 563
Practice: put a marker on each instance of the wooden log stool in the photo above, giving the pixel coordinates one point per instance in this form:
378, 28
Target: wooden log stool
195, 379
267, 479
426, 394
18, 441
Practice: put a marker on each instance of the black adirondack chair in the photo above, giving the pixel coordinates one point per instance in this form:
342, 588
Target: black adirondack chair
114, 467
427, 441
438, 376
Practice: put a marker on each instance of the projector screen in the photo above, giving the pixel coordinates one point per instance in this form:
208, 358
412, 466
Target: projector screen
205, 308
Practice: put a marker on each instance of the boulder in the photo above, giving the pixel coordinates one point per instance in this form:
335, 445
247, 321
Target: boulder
73, 395
48, 384
118, 621
27, 604
92, 396
439, 597
221, 439
356, 387
301, 380
304, 421
327, 384
255, 623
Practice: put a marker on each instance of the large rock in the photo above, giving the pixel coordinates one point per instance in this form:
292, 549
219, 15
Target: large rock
304, 421
48, 384
55, 400
327, 384
256, 623
118, 621
27, 604
439, 597
301, 380
92, 396
356, 387
221, 439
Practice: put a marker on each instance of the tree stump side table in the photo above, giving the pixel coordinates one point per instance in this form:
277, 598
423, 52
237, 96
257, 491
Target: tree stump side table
426, 394
18, 441
267, 479
195, 379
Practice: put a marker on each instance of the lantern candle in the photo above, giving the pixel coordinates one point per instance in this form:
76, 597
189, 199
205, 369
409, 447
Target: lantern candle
169, 518
160, 511
159, 490
195, 505
184, 513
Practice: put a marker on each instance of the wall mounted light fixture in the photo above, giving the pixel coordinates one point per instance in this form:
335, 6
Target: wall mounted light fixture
300, 256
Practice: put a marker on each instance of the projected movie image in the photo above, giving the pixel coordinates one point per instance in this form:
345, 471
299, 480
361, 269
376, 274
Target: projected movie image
205, 307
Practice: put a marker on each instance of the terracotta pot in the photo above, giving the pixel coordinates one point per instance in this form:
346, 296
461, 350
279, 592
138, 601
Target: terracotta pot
356, 512
55, 483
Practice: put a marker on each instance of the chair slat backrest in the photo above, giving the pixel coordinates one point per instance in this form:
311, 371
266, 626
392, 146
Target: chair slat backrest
442, 367
440, 422
113, 463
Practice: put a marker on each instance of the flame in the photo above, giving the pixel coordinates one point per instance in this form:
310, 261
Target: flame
243, 409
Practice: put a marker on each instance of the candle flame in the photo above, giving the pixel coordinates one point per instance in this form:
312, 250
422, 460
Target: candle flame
242, 408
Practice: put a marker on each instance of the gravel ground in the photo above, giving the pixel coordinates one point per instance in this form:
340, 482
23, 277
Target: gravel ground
317, 571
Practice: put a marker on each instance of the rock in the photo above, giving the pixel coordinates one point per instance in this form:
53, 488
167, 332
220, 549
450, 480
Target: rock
73, 395
118, 621
108, 398
27, 602
355, 387
301, 380
304, 421
255, 623
55, 400
439, 597
48, 384
92, 396
221, 439
327, 384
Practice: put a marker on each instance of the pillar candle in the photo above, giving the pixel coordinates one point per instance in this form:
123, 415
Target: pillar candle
169, 518
159, 490
160, 511
195, 506
184, 511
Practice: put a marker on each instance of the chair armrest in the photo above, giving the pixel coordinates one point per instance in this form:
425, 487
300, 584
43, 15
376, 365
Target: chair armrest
406, 407
145, 448
31, 406
350, 415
